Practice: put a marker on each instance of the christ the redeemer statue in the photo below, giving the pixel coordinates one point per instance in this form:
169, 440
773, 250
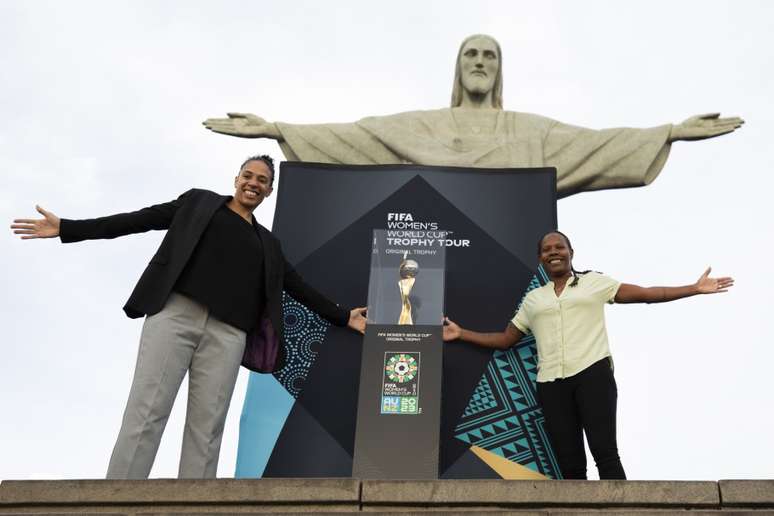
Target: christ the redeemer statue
476, 132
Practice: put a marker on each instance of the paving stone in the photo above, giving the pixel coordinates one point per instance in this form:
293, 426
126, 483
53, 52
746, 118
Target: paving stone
573, 493
317, 491
747, 493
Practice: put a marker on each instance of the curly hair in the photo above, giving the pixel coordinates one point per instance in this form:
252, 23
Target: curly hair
266, 159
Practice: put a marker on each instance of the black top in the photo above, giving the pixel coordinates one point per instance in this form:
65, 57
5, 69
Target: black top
225, 272
186, 219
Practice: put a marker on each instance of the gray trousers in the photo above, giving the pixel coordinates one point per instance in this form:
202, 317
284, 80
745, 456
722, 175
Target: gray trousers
182, 338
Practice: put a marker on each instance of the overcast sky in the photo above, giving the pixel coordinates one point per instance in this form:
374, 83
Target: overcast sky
102, 104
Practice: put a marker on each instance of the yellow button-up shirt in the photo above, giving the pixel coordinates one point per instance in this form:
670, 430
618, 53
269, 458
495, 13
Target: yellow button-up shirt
569, 329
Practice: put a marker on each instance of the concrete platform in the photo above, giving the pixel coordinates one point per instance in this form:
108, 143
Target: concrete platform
130, 497
342, 496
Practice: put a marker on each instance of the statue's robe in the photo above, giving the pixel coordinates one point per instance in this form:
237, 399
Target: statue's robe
585, 159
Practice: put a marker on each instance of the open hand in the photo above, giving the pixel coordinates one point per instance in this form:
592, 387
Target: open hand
357, 319
707, 285
451, 330
704, 126
47, 227
244, 125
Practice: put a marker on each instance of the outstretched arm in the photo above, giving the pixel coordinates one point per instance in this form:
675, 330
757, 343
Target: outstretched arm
498, 340
244, 125
704, 285
701, 127
47, 227
295, 285
158, 216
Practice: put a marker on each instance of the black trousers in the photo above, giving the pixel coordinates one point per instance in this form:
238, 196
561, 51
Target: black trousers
583, 402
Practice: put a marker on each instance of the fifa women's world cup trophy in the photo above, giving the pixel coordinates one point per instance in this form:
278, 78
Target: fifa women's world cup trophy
408, 273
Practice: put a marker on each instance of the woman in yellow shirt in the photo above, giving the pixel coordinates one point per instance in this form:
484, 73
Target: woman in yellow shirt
575, 384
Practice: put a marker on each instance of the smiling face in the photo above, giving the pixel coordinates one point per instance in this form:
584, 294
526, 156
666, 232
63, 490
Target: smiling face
479, 64
252, 185
556, 255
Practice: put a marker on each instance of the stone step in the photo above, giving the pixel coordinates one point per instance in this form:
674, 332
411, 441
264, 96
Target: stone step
342, 496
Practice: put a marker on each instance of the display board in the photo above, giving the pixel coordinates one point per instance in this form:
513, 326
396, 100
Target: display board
488, 222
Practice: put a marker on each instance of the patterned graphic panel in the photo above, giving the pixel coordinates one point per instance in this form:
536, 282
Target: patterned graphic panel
503, 415
323, 235
304, 331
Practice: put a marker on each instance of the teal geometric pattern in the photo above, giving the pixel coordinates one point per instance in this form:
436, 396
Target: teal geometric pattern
482, 399
503, 415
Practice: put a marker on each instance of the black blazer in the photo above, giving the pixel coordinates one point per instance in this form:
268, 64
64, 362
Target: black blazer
185, 219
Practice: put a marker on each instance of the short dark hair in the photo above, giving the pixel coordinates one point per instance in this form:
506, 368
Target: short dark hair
266, 159
576, 274
555, 232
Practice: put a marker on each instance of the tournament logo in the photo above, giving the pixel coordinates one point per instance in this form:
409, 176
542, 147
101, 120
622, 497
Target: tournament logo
400, 385
401, 368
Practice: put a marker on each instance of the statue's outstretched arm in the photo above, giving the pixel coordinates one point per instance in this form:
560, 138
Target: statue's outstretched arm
244, 125
701, 127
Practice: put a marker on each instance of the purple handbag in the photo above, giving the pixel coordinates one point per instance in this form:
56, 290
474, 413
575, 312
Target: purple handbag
261, 348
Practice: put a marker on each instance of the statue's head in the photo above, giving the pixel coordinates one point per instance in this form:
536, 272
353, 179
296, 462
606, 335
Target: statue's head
479, 70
